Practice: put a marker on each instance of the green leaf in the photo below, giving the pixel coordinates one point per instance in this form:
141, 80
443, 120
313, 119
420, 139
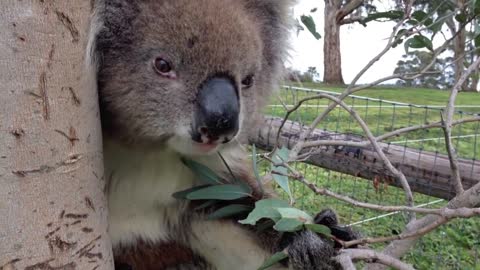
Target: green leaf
266, 208
277, 257
310, 24
293, 213
477, 41
436, 26
461, 17
476, 7
205, 205
205, 175
420, 16
288, 225
318, 228
229, 211
281, 179
219, 192
183, 194
418, 42
392, 15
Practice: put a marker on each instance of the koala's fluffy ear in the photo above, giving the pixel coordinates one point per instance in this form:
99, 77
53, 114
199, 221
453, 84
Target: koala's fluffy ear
117, 17
276, 18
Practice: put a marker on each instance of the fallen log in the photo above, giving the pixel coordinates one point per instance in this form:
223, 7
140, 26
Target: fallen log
427, 172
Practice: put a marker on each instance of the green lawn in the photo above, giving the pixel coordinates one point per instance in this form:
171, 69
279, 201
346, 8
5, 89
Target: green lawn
455, 246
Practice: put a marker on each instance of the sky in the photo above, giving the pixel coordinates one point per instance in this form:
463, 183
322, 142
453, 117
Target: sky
359, 45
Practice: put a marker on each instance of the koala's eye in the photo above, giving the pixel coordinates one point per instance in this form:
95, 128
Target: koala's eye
247, 82
163, 67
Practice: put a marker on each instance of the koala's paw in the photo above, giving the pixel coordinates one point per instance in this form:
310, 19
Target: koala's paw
328, 218
309, 251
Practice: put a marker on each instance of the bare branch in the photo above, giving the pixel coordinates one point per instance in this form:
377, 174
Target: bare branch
399, 175
470, 198
447, 127
347, 9
299, 146
345, 261
366, 254
445, 212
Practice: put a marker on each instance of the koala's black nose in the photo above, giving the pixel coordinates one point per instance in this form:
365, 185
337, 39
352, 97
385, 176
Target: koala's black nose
217, 113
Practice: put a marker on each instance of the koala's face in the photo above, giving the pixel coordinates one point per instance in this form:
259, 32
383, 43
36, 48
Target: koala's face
179, 72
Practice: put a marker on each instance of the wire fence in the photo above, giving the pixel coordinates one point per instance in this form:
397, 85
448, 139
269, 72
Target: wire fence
454, 246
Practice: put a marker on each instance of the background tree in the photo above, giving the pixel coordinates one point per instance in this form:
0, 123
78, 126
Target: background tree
52, 206
336, 14
439, 75
460, 18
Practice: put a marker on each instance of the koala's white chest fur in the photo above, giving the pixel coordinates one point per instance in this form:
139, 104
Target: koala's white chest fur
140, 192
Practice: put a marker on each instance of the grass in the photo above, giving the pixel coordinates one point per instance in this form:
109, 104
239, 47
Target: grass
453, 246
384, 117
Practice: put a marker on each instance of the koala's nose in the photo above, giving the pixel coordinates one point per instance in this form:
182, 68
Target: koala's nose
217, 113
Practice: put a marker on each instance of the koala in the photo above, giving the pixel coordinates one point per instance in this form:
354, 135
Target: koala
185, 78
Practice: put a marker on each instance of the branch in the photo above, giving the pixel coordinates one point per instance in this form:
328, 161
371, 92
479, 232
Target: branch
447, 127
366, 254
399, 175
463, 212
351, 19
345, 261
348, 9
470, 198
299, 146
415, 234
398, 132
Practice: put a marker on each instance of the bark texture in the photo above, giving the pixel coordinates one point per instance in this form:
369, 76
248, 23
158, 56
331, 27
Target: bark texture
52, 206
332, 65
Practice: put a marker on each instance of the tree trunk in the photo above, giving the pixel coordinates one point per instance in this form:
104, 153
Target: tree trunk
52, 206
332, 65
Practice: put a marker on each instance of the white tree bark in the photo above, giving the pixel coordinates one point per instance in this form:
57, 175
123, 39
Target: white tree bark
52, 206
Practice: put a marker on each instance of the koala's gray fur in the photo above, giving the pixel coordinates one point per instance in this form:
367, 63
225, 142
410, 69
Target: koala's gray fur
147, 120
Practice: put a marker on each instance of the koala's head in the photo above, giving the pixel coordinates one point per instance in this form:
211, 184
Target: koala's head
187, 73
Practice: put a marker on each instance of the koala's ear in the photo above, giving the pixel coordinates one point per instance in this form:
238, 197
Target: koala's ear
116, 18
276, 19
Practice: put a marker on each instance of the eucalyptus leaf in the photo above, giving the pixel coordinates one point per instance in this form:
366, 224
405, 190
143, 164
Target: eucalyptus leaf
277, 257
391, 15
266, 208
219, 192
318, 228
420, 16
229, 211
461, 17
183, 194
418, 42
288, 225
205, 175
205, 205
310, 24
293, 213
281, 155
